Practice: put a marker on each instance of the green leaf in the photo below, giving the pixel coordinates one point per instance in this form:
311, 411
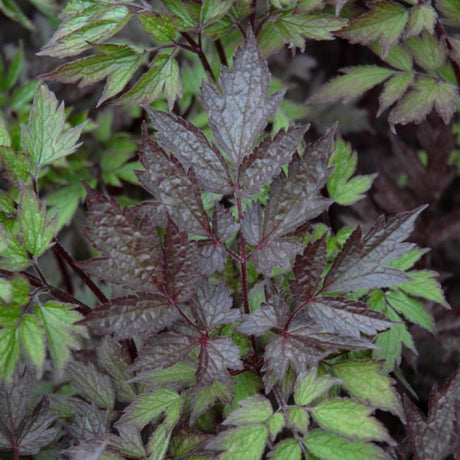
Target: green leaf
246, 442
255, 409
394, 89
22, 97
148, 407
421, 17
33, 341
15, 68
64, 203
158, 443
420, 100
407, 260
5, 138
180, 10
287, 449
341, 189
398, 56
385, 23
117, 64
298, 419
424, 285
428, 51
9, 351
365, 381
37, 230
16, 164
296, 28
350, 419
85, 26
163, 76
6, 290
412, 309
310, 387
327, 446
206, 397
212, 10
160, 27
450, 9
356, 81
12, 11
14, 257
10, 315
275, 424
61, 332
46, 137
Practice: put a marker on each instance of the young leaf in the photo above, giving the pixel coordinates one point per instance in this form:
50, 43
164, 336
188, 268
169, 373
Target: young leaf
256, 409
450, 9
328, 446
362, 263
33, 340
309, 387
287, 448
364, 381
162, 76
46, 137
423, 284
160, 27
241, 112
420, 100
117, 64
385, 23
206, 397
9, 351
356, 81
342, 189
59, 320
394, 89
350, 419
427, 50
421, 17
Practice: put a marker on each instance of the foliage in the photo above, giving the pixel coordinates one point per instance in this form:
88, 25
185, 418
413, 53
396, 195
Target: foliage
223, 309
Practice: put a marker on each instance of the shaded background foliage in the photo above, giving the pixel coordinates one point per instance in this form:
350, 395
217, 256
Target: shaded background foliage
419, 166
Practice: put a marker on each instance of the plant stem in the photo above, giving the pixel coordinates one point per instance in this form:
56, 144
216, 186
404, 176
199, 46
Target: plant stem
221, 52
78, 271
244, 273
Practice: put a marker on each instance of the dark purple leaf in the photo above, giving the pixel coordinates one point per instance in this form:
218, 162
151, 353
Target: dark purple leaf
346, 317
362, 262
431, 436
89, 421
212, 307
128, 316
216, 355
239, 114
267, 159
190, 146
131, 255
166, 179
308, 268
152, 213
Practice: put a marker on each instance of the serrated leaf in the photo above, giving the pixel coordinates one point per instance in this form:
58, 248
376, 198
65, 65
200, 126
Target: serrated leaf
421, 17
362, 263
90, 383
33, 340
46, 137
327, 446
342, 188
114, 359
242, 442
295, 29
428, 51
423, 284
129, 441
174, 187
192, 149
162, 77
158, 26
117, 65
346, 317
15, 68
11, 10
238, 115
356, 81
412, 309
287, 449
350, 419
212, 10
37, 230
266, 161
206, 397
365, 381
148, 407
309, 386
398, 56
450, 9
420, 100
253, 410
298, 419
84, 26
394, 89
385, 23
9, 351
59, 323
158, 443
